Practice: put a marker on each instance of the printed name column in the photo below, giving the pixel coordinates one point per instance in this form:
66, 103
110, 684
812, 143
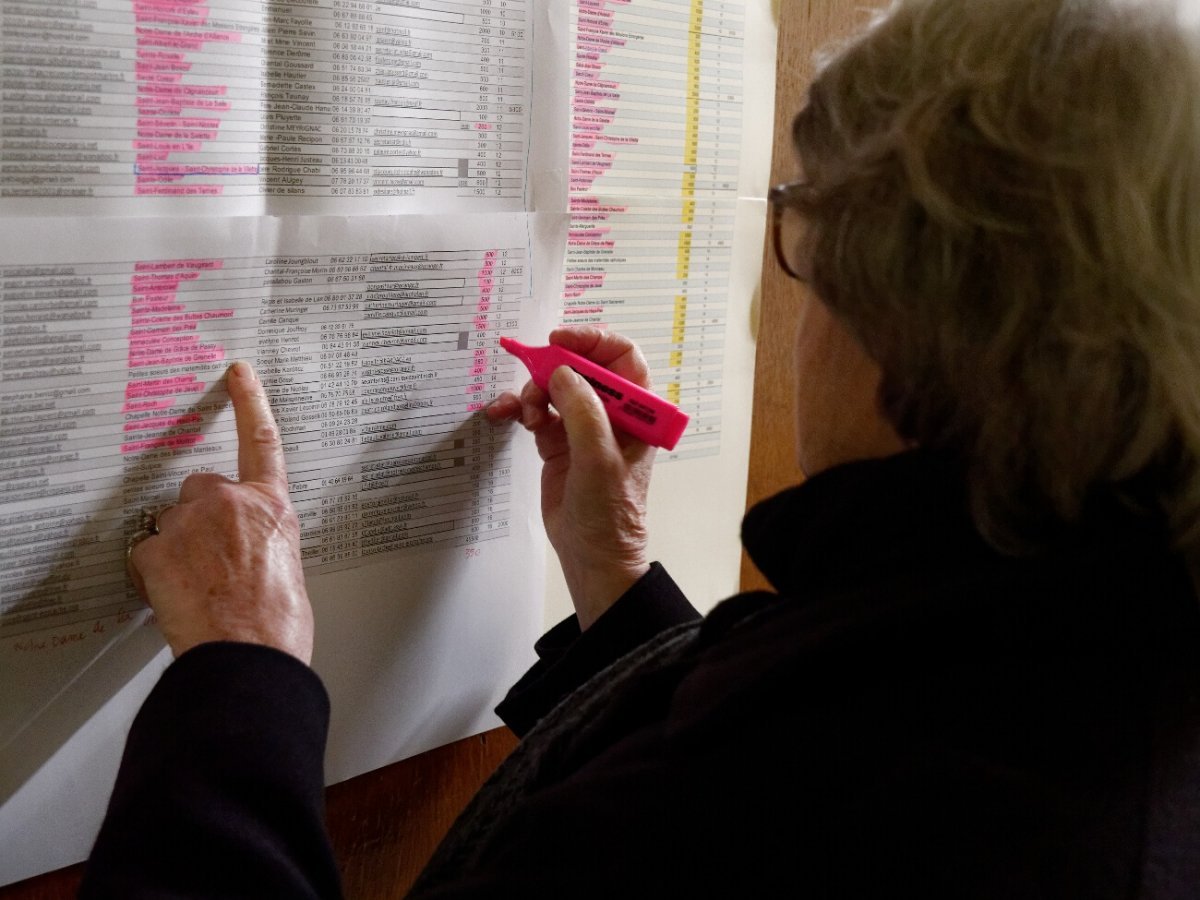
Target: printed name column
166, 401
308, 341
57, 537
106, 101
384, 433
107, 384
656, 105
179, 112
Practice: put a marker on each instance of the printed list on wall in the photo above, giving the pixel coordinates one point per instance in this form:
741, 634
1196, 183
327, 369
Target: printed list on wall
112, 361
377, 365
400, 106
359, 197
656, 134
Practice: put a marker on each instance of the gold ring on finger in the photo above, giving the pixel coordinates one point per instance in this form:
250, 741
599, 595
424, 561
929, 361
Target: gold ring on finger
136, 538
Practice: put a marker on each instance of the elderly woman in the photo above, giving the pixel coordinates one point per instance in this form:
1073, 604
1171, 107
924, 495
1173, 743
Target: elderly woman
977, 675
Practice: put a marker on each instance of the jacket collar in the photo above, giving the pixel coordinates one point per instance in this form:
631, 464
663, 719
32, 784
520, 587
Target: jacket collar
906, 510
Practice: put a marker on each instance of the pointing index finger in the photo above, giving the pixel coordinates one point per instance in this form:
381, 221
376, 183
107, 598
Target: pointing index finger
260, 452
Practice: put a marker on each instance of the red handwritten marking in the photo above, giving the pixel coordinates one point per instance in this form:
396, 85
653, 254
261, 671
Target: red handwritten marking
45, 642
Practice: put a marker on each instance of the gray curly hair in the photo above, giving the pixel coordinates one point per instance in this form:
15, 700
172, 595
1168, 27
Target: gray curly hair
1003, 205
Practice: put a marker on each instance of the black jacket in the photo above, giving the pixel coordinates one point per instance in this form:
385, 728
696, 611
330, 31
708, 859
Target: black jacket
912, 714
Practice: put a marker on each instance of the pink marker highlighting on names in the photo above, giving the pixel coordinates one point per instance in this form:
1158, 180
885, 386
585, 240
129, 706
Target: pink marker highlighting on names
630, 408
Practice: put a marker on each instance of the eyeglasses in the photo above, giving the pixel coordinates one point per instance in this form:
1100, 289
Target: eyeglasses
788, 228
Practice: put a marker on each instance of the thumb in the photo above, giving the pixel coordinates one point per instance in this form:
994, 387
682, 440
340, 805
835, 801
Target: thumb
582, 412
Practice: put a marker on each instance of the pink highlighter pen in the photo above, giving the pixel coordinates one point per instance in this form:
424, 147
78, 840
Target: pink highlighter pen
630, 408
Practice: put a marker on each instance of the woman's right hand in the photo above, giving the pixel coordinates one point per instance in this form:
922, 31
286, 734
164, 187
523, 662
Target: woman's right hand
225, 563
594, 481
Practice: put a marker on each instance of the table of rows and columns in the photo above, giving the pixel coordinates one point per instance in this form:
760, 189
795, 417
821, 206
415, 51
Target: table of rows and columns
248, 98
377, 365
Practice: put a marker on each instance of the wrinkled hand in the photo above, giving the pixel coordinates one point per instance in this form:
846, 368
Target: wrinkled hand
594, 482
225, 565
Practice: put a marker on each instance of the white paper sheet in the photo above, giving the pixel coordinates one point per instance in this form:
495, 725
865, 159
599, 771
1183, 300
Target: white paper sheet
672, 105
245, 107
377, 342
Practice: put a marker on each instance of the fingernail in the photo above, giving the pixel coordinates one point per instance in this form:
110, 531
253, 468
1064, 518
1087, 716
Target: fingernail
243, 369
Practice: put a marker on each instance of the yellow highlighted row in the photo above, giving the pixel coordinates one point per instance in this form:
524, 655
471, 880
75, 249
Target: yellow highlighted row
693, 70
680, 319
683, 260
683, 256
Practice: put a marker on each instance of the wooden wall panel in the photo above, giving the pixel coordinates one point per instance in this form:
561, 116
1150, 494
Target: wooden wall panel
384, 824
804, 27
